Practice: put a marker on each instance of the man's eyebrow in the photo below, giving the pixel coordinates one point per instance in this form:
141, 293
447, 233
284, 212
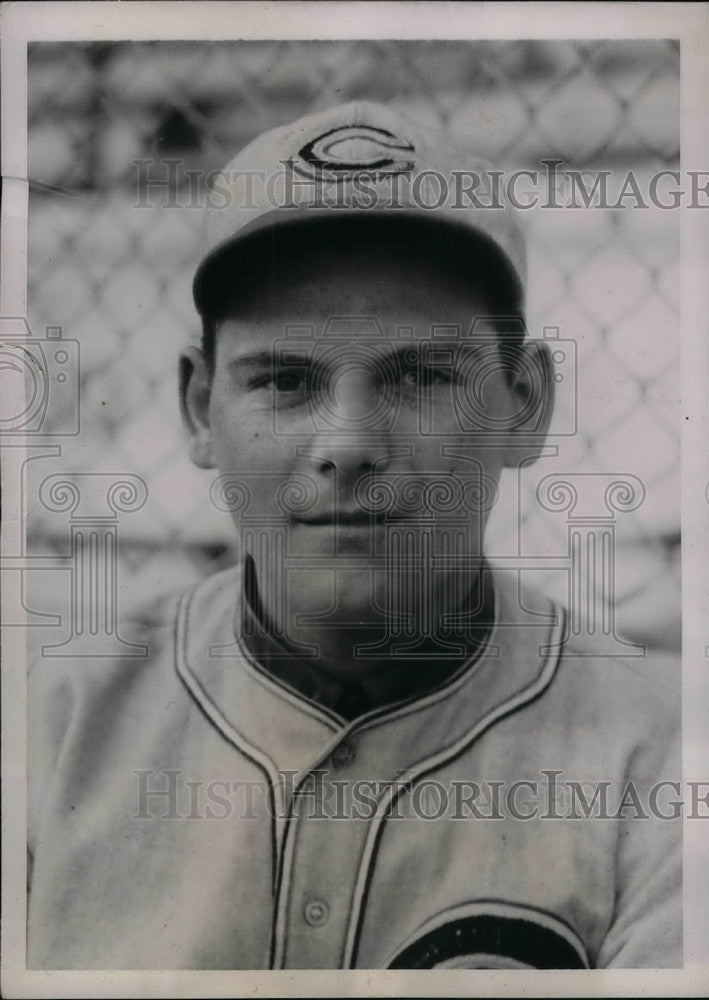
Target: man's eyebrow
404, 352
267, 359
431, 350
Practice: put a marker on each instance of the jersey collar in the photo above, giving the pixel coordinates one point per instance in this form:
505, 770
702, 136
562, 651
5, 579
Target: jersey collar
288, 732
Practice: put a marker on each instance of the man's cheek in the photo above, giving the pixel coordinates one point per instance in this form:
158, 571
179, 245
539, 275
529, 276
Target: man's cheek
236, 435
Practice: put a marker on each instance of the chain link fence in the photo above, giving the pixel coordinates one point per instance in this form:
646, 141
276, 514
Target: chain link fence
115, 275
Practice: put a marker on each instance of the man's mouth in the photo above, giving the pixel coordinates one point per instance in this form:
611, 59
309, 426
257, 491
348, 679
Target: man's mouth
348, 519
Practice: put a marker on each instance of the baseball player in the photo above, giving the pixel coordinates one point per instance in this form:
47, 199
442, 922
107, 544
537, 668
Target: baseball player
362, 747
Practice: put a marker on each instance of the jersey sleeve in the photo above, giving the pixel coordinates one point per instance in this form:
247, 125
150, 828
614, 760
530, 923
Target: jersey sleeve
646, 930
60, 692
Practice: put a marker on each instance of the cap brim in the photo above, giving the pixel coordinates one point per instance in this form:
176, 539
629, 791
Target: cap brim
230, 255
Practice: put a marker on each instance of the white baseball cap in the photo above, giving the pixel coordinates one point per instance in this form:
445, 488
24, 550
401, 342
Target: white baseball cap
357, 159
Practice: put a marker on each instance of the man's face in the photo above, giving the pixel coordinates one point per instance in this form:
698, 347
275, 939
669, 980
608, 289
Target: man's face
361, 415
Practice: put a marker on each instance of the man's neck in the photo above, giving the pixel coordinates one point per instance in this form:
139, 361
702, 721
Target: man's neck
351, 680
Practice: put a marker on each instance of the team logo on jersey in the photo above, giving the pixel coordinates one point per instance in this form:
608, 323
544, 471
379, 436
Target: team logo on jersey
352, 149
493, 935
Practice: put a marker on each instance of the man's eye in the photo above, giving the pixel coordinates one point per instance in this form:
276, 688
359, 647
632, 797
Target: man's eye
285, 381
288, 381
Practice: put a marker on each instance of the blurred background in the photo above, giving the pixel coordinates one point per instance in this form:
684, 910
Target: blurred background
116, 277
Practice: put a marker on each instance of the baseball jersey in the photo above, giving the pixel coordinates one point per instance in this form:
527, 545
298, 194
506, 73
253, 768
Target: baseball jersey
190, 810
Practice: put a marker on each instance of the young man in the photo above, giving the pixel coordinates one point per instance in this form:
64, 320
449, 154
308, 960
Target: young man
346, 751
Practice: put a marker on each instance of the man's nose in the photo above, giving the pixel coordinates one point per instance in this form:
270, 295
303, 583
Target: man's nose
352, 438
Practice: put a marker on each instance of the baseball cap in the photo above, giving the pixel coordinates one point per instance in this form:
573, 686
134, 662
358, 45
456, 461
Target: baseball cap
358, 159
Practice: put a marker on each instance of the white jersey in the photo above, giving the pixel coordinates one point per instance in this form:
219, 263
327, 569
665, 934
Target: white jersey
190, 811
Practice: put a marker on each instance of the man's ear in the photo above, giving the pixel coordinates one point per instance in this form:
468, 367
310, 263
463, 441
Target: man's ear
195, 394
532, 389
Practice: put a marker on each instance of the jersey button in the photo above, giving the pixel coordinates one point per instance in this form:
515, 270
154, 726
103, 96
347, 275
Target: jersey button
316, 912
342, 755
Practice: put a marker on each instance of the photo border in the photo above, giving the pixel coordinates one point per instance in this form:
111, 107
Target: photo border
24, 22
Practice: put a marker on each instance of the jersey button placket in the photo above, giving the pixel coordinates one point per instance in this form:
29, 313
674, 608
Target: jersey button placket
323, 868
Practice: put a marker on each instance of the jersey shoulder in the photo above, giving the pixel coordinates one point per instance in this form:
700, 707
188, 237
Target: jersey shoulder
597, 674
67, 681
